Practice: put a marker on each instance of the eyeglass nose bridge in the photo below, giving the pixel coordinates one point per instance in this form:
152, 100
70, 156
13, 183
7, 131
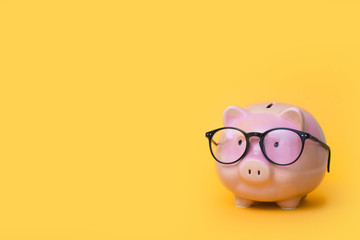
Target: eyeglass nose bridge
254, 134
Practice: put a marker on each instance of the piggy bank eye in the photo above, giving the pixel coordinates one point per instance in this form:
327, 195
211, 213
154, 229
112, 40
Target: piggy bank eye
240, 142
276, 144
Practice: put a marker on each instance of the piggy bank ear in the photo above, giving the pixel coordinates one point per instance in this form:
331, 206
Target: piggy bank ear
295, 115
232, 115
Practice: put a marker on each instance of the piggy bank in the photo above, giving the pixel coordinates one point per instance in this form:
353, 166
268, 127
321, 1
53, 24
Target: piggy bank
269, 152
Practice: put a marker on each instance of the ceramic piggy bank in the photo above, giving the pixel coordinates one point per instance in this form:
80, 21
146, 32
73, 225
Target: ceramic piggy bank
269, 152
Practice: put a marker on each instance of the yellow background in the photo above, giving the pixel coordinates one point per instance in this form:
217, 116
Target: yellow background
104, 107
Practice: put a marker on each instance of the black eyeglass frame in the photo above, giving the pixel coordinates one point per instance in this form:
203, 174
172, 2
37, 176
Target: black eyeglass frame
303, 136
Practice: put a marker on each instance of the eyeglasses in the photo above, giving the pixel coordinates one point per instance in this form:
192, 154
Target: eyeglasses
281, 146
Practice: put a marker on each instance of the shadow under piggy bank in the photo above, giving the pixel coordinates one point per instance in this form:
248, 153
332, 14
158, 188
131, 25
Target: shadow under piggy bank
312, 201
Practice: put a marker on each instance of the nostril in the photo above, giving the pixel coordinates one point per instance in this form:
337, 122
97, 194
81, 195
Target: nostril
249, 171
258, 172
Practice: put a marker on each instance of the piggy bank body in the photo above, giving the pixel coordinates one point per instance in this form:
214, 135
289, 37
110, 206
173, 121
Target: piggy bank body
255, 177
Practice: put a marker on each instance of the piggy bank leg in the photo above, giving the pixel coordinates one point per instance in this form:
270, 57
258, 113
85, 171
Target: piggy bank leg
242, 202
290, 204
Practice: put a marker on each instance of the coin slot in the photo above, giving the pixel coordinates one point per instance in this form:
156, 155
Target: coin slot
270, 105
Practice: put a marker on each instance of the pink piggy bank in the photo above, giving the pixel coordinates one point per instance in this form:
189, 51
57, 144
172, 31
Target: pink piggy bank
269, 152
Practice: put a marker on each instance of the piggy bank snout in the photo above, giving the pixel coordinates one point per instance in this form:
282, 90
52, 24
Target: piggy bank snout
253, 171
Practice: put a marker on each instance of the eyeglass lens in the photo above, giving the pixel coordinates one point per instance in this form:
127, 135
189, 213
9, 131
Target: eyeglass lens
282, 146
228, 145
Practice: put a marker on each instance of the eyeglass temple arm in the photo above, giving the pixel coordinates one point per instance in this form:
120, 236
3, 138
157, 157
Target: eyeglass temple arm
214, 142
326, 146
